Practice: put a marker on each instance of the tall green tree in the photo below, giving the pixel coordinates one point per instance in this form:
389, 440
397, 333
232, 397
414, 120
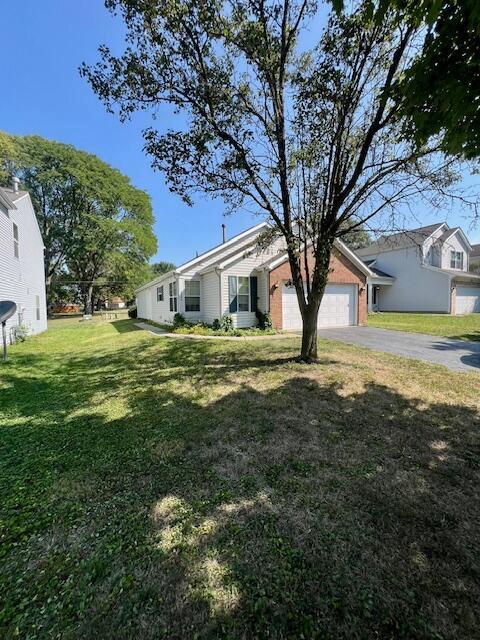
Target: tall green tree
92, 219
311, 139
158, 268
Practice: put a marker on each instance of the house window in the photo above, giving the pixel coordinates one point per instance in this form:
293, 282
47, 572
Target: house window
172, 292
456, 259
37, 307
16, 251
243, 294
160, 294
238, 293
192, 295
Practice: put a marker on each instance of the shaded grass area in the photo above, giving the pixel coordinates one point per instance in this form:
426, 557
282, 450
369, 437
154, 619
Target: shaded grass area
157, 488
436, 324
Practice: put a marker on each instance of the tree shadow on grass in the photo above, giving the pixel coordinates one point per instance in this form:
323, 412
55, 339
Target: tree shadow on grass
125, 326
272, 508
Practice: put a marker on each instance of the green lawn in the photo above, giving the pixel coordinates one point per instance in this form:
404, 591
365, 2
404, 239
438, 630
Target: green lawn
160, 488
436, 324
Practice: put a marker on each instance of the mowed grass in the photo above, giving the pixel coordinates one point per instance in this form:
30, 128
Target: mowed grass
162, 488
436, 324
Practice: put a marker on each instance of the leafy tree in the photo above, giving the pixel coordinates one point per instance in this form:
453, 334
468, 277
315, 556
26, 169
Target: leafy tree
7, 156
439, 92
158, 268
311, 139
93, 221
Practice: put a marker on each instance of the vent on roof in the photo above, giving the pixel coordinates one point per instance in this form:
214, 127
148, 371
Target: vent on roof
15, 183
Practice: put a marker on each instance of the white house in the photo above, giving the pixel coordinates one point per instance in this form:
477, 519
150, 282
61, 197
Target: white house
237, 277
475, 258
423, 270
22, 277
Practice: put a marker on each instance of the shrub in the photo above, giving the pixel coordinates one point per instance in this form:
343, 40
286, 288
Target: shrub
226, 324
179, 320
132, 312
264, 320
216, 325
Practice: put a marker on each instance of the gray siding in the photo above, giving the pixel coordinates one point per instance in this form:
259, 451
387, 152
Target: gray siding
22, 279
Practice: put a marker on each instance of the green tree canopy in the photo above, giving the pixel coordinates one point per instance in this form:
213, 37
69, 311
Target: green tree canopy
158, 268
439, 91
94, 222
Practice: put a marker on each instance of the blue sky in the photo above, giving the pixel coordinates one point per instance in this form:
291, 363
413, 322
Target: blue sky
42, 47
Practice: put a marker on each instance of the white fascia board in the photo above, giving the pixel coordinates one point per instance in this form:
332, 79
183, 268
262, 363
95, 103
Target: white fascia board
341, 246
348, 253
215, 254
156, 280
467, 241
380, 280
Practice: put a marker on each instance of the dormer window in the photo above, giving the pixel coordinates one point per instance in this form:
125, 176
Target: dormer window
456, 260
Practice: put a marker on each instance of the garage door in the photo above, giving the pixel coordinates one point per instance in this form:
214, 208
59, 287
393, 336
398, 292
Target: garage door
468, 300
336, 310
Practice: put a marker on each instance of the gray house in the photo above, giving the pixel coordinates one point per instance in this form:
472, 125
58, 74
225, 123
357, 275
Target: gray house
424, 270
22, 277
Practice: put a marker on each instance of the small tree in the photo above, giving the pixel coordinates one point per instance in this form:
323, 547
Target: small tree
313, 140
158, 268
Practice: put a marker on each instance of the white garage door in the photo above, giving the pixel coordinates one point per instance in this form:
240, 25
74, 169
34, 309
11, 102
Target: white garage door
468, 300
336, 310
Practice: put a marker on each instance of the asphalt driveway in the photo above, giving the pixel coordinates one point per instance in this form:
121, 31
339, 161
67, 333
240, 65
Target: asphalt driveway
458, 355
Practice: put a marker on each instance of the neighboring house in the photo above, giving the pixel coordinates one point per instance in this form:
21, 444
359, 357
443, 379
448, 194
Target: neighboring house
22, 277
236, 278
115, 303
475, 258
424, 270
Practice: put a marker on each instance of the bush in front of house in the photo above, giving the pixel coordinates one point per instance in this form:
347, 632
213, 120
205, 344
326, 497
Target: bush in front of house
132, 312
179, 321
264, 320
226, 324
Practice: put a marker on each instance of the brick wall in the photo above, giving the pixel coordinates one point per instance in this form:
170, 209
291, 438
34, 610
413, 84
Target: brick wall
342, 271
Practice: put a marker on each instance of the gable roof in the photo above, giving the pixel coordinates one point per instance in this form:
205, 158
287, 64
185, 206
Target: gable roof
216, 254
475, 251
6, 200
277, 260
401, 240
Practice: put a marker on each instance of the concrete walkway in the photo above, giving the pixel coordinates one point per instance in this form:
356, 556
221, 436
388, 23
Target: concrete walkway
193, 336
457, 355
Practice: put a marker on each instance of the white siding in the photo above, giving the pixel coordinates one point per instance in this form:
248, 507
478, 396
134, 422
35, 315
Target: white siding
22, 279
211, 297
144, 308
455, 243
416, 288
161, 310
246, 266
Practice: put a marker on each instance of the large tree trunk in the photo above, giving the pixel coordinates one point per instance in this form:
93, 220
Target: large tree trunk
88, 300
309, 352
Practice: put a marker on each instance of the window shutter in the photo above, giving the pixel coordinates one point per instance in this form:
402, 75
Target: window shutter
232, 294
253, 294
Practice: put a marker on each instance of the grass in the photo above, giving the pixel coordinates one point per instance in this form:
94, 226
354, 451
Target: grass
458, 327
160, 488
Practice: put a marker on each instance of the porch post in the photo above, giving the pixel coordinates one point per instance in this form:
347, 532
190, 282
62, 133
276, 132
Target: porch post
369, 298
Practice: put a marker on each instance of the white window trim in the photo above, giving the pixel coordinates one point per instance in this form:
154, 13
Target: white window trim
16, 241
191, 296
249, 310
173, 296
160, 292
456, 258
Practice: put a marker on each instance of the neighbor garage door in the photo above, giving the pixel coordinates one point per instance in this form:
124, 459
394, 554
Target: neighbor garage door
337, 308
468, 300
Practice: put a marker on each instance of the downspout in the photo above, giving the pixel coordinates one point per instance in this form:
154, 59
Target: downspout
218, 271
